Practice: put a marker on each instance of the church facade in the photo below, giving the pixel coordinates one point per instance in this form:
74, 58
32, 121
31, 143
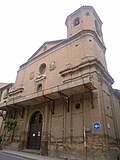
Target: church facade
63, 100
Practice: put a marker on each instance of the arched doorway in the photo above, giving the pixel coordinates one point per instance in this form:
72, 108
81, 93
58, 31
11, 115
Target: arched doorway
35, 130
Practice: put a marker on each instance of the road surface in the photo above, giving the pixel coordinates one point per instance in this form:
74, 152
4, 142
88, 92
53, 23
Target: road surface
4, 156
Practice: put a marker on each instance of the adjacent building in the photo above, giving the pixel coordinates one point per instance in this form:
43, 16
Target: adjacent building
63, 100
4, 90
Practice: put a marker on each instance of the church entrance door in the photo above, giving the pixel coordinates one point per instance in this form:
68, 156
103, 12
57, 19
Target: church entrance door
35, 129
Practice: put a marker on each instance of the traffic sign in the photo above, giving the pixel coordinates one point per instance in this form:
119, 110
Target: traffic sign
97, 126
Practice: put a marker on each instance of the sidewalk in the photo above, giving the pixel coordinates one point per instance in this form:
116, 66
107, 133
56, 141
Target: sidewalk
28, 155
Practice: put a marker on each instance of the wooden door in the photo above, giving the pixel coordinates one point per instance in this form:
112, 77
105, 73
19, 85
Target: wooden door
35, 129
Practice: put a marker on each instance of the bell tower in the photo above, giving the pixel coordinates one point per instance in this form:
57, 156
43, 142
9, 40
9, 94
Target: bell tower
84, 18
85, 22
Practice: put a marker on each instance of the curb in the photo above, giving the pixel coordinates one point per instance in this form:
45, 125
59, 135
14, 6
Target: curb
23, 156
29, 156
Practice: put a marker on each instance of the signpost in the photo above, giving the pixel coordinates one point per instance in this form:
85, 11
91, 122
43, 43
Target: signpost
97, 126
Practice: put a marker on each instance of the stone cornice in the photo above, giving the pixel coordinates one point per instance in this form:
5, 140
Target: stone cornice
92, 33
16, 91
116, 92
84, 8
92, 62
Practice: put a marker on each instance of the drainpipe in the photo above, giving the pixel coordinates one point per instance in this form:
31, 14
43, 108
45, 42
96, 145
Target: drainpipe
84, 133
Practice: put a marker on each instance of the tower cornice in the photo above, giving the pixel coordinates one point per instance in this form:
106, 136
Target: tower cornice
88, 32
84, 8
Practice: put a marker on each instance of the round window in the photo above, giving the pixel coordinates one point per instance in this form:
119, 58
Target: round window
42, 68
39, 87
77, 105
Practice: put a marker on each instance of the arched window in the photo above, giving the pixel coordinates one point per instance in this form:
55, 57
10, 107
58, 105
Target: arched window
76, 21
36, 118
39, 87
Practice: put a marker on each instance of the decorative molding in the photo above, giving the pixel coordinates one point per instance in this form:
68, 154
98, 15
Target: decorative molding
70, 73
40, 78
52, 66
32, 75
100, 79
20, 89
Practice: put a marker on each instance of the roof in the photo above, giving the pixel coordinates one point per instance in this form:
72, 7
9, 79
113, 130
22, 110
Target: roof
3, 85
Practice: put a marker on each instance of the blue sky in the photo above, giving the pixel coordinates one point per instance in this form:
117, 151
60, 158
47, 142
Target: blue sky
27, 24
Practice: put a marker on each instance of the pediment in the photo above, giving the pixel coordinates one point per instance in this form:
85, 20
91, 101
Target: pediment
3, 85
45, 47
